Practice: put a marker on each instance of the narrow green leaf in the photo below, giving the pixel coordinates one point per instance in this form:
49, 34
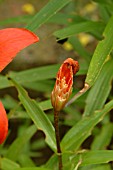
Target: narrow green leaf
80, 49
25, 161
71, 118
104, 2
82, 129
9, 102
38, 144
35, 74
103, 139
42, 86
103, 49
19, 19
63, 18
37, 115
59, 18
104, 13
4, 82
93, 157
31, 168
52, 163
40, 73
96, 167
85, 160
87, 26
17, 146
46, 13
97, 157
7, 164
45, 105
101, 89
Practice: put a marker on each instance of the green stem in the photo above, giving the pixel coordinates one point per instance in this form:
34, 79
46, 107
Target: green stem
81, 92
56, 119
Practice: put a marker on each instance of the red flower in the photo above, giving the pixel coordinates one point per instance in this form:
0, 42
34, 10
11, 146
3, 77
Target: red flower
64, 81
3, 123
12, 40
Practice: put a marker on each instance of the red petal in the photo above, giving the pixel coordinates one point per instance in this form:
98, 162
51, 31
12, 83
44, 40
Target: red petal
73, 63
12, 40
3, 123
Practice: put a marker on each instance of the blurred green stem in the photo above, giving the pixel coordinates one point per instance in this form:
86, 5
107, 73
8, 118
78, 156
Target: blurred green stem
56, 119
81, 92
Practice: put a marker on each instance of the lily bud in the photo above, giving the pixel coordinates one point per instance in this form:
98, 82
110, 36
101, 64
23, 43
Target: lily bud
3, 123
64, 81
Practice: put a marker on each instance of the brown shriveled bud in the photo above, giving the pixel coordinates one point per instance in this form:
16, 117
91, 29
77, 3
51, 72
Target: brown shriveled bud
64, 81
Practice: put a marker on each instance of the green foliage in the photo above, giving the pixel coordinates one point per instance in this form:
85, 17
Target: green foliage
87, 124
47, 12
87, 26
40, 119
102, 51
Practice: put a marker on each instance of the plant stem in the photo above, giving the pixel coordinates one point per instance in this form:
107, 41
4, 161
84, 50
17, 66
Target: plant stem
56, 119
81, 92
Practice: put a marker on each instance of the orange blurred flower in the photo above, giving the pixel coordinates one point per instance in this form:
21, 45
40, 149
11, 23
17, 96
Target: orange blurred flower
64, 81
3, 123
12, 40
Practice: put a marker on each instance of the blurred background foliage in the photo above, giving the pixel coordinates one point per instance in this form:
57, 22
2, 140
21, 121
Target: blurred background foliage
68, 28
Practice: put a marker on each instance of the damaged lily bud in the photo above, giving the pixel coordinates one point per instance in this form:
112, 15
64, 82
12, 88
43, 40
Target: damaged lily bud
64, 81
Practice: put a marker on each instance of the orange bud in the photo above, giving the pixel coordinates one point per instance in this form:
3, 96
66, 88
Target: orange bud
3, 123
64, 81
